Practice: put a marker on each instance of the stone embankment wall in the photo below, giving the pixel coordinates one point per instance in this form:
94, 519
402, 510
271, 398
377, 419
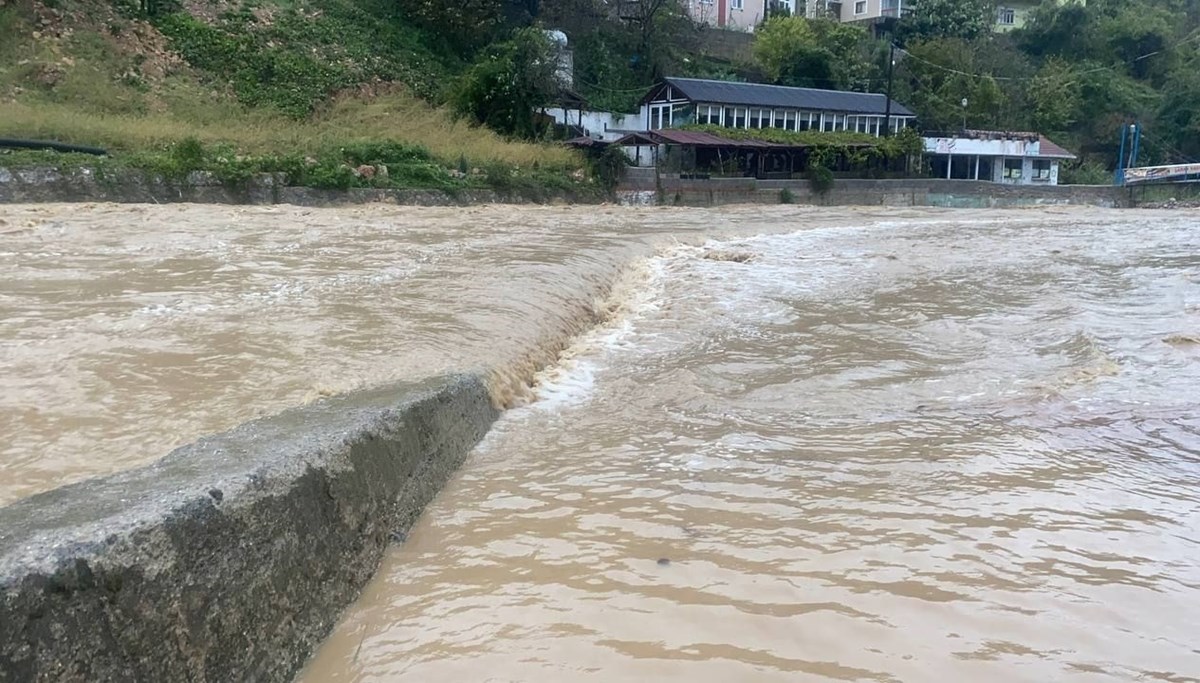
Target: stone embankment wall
34, 185
673, 191
231, 558
85, 185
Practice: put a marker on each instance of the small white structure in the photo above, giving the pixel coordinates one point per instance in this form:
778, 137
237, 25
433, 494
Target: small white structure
995, 156
565, 71
600, 125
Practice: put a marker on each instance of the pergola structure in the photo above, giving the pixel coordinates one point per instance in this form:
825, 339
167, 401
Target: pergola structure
702, 154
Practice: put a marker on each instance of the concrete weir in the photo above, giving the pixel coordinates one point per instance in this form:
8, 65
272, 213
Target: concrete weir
231, 558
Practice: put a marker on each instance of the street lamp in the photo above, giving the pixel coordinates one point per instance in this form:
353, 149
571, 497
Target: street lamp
964, 112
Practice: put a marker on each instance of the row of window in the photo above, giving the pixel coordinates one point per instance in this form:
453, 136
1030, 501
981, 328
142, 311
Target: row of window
1013, 169
790, 119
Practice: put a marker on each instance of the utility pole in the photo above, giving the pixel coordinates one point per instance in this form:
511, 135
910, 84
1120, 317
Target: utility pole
887, 109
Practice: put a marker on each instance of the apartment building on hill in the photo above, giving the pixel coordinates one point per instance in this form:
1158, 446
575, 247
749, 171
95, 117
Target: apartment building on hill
857, 10
1010, 14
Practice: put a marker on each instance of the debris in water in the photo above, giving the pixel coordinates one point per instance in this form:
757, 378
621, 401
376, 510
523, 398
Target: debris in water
1182, 339
662, 561
398, 536
729, 255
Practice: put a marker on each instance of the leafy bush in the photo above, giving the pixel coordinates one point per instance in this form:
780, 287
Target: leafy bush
786, 196
607, 166
821, 179
1084, 173
907, 142
513, 79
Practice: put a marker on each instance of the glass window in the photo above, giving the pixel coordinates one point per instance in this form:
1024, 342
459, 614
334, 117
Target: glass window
789, 121
1007, 16
739, 117
729, 118
860, 7
702, 115
1041, 169
1012, 169
756, 118
736, 4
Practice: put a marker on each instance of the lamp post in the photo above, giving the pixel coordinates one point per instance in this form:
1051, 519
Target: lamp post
964, 113
887, 108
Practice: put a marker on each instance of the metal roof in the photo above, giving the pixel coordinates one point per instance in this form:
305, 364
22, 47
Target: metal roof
783, 97
1049, 149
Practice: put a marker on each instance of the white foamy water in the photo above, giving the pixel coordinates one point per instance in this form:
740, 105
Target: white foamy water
893, 451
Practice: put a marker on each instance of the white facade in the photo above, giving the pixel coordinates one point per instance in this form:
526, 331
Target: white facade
737, 15
601, 125
1014, 160
857, 10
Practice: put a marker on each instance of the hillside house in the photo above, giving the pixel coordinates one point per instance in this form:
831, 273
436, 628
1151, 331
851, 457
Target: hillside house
1012, 14
674, 102
737, 15
858, 10
995, 156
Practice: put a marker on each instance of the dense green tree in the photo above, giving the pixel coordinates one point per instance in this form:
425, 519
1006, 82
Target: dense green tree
466, 26
509, 83
939, 74
1055, 96
816, 53
964, 19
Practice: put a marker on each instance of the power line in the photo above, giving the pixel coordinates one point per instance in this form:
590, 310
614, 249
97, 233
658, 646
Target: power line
1194, 36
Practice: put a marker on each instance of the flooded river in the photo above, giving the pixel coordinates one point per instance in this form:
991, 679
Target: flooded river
787, 445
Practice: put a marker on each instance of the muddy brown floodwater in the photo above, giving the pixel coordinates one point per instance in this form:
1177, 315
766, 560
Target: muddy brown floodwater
770, 444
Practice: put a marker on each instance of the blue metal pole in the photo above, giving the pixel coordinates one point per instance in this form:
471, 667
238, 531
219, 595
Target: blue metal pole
1137, 143
1119, 177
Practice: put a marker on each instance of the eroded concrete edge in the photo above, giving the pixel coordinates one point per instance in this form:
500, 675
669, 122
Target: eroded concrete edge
231, 558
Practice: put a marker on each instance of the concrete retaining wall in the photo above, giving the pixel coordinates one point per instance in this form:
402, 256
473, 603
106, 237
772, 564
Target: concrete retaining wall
854, 192
231, 558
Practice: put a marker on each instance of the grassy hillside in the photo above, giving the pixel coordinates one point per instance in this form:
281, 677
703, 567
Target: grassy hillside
312, 87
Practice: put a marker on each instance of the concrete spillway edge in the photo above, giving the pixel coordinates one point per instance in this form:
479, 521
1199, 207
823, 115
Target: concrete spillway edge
232, 557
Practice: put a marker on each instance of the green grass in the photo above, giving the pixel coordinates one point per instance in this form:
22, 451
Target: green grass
309, 95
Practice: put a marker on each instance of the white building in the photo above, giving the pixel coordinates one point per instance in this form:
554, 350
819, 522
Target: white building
996, 156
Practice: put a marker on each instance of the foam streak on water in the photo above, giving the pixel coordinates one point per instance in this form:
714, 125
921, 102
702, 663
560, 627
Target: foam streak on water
126, 331
931, 448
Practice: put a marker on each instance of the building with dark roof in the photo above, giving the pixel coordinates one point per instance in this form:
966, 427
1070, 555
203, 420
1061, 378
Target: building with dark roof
677, 101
